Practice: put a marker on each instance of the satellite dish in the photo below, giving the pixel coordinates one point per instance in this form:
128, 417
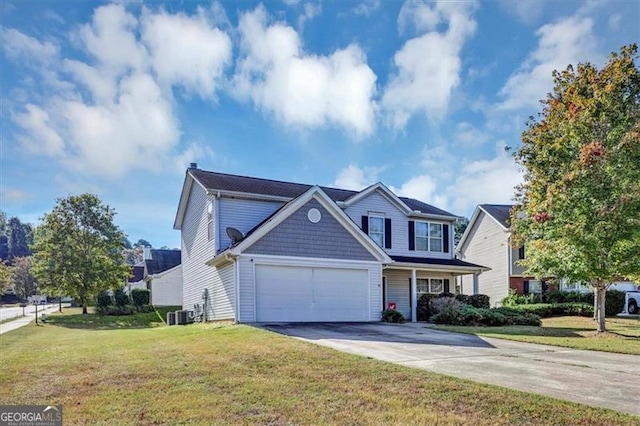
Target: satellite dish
234, 234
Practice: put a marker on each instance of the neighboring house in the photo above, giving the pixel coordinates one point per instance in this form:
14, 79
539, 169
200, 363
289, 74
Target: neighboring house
487, 240
163, 276
136, 280
309, 253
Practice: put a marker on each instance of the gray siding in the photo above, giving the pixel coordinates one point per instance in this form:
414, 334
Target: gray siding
376, 202
241, 214
487, 245
515, 268
196, 250
298, 236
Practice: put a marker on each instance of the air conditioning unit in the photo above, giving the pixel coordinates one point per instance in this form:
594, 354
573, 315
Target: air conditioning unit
171, 318
184, 317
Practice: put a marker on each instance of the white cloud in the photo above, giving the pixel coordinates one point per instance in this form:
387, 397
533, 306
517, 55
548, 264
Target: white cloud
485, 181
310, 11
115, 111
565, 42
356, 178
423, 188
466, 134
14, 195
367, 7
527, 12
42, 138
186, 51
428, 66
303, 90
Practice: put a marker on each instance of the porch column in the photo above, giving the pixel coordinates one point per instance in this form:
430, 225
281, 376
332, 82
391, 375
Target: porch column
414, 301
475, 283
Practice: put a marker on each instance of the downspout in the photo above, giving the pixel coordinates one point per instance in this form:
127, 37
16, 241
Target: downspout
236, 276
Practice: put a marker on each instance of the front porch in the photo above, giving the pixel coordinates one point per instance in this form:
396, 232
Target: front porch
409, 277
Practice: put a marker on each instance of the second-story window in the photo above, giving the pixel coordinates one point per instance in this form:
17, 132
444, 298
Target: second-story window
429, 237
210, 220
376, 229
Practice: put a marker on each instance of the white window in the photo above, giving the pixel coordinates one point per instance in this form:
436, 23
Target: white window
429, 285
535, 286
210, 220
376, 229
429, 237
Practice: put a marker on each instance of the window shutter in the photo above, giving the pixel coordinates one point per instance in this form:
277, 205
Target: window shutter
365, 224
521, 253
387, 233
445, 238
525, 287
412, 235
410, 295
446, 286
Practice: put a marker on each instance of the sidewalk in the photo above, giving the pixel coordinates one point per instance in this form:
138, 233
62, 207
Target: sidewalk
22, 321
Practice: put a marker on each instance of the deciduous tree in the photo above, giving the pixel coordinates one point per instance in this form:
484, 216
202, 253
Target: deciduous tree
22, 278
579, 206
78, 249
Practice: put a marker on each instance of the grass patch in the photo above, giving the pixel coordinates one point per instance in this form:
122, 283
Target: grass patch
623, 335
73, 318
234, 374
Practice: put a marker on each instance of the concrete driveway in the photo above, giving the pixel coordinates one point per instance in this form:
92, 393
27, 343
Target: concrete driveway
588, 377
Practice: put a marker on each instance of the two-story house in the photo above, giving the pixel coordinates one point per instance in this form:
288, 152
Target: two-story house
487, 241
259, 250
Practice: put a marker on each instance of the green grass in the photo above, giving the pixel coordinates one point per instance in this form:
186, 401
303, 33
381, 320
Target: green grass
622, 336
73, 318
234, 374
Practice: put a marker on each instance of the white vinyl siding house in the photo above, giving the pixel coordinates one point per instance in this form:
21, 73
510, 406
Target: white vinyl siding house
166, 287
490, 248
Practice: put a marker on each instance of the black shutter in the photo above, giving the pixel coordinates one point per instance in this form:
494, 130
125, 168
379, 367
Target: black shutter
410, 294
446, 286
525, 287
521, 253
365, 224
412, 235
445, 238
387, 233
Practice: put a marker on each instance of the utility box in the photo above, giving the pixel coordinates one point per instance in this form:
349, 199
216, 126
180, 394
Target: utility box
171, 318
184, 317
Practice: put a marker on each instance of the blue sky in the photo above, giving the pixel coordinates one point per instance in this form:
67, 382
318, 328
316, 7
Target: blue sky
117, 99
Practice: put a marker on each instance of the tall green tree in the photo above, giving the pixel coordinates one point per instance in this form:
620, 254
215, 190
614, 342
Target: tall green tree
5, 277
579, 206
19, 238
22, 278
78, 249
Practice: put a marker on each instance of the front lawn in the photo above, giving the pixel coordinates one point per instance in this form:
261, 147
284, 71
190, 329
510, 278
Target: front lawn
623, 334
234, 374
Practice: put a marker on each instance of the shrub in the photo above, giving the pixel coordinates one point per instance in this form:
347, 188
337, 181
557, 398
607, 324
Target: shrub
391, 315
120, 297
614, 303
103, 301
423, 310
514, 299
471, 316
145, 308
439, 304
546, 310
115, 310
479, 301
140, 296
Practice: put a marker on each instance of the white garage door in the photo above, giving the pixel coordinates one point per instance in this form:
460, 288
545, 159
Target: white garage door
294, 294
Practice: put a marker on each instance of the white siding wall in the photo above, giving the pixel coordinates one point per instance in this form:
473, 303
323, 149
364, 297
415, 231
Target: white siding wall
247, 280
398, 290
487, 245
241, 214
376, 202
196, 250
166, 290
222, 293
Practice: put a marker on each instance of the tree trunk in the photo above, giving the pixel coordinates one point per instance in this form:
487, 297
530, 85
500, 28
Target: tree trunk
600, 295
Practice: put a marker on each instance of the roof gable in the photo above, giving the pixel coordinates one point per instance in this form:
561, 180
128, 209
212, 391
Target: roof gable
499, 213
315, 193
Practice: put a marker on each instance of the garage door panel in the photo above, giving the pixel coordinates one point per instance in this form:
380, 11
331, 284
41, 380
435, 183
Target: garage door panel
287, 293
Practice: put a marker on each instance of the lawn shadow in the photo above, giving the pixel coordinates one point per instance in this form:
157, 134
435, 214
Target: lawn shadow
376, 332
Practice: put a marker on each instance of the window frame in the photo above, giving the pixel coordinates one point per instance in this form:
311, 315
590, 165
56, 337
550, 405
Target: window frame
427, 238
210, 233
382, 232
429, 285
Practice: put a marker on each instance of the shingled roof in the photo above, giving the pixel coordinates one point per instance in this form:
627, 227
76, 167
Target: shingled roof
226, 182
162, 260
499, 212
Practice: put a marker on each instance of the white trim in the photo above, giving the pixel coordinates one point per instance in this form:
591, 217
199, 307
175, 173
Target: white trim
428, 237
161, 274
437, 268
246, 195
184, 198
414, 301
307, 261
319, 195
255, 296
381, 217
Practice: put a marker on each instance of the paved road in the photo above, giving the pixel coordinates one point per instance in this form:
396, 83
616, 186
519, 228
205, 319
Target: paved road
13, 312
588, 377
19, 320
